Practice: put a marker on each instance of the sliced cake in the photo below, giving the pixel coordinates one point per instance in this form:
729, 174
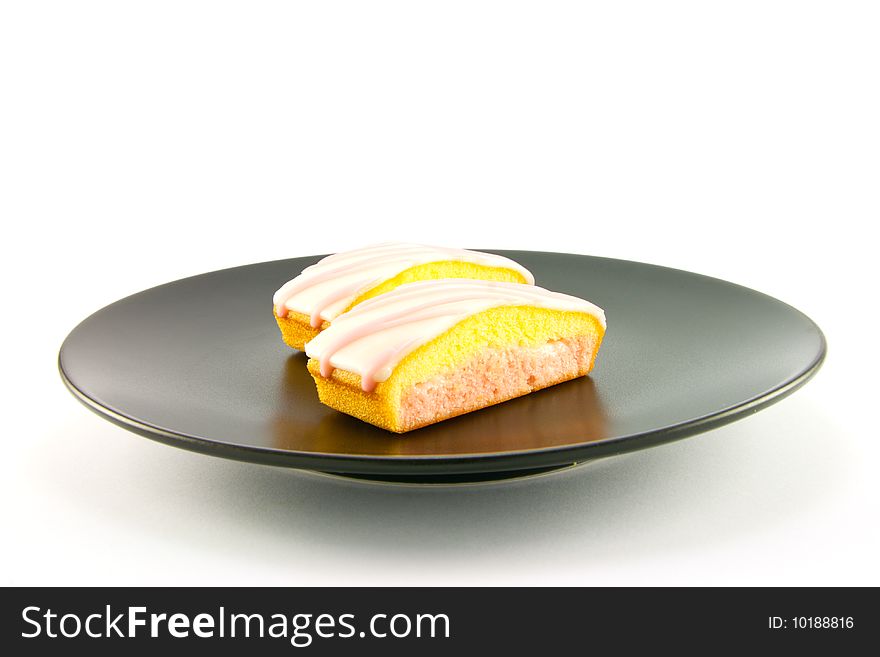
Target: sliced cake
431, 350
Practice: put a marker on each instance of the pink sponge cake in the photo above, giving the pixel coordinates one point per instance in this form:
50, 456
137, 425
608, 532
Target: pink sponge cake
431, 350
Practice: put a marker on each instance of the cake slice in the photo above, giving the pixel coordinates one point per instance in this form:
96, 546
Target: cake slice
431, 350
310, 302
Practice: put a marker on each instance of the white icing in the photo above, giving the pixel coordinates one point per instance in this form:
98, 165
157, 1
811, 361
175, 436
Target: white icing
374, 336
324, 290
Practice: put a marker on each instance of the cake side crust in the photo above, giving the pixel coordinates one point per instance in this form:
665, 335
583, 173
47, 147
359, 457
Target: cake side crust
296, 329
346, 396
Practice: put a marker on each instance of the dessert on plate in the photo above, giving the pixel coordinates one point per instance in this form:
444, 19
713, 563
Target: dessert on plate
310, 302
430, 350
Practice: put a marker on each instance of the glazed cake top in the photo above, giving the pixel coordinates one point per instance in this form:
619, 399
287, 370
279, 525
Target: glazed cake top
324, 290
374, 336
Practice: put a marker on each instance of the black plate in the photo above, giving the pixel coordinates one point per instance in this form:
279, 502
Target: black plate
199, 364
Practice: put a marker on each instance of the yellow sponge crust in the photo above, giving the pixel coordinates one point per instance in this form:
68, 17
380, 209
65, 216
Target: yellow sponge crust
525, 326
431, 271
342, 391
296, 328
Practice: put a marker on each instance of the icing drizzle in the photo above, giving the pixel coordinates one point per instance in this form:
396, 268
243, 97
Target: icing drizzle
374, 336
324, 290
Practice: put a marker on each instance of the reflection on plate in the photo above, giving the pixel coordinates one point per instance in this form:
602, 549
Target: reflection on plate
517, 424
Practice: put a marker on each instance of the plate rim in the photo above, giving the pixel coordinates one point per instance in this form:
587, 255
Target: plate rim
443, 463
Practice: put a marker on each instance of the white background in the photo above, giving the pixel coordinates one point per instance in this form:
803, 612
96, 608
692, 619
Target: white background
143, 142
